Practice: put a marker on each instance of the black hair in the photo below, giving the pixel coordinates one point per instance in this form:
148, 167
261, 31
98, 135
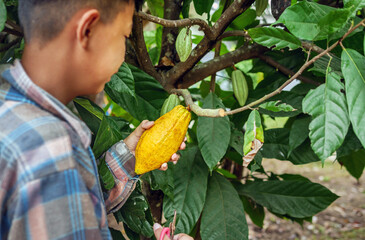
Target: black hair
45, 19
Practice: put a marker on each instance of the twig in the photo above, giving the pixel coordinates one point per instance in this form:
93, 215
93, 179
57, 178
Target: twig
285, 70
195, 108
13, 32
216, 54
178, 23
234, 33
307, 64
15, 26
10, 45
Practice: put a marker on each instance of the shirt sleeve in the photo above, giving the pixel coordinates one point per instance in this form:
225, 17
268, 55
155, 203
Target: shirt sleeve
121, 162
56, 206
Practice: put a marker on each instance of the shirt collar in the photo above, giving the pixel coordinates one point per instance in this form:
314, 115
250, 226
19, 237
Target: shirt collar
49, 103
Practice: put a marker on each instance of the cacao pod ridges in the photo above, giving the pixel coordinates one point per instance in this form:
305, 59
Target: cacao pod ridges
159, 143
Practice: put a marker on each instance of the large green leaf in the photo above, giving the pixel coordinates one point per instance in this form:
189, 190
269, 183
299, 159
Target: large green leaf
350, 144
277, 146
150, 96
106, 137
312, 21
213, 133
160, 180
190, 176
203, 6
330, 122
353, 69
254, 210
3, 15
90, 113
298, 133
295, 198
270, 36
223, 216
123, 81
237, 141
136, 214
354, 163
354, 4
156, 7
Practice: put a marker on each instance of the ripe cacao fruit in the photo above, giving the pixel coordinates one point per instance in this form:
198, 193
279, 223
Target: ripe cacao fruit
184, 44
261, 5
171, 102
159, 143
240, 88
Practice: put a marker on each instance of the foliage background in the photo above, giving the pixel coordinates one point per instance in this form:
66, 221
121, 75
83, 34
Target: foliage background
306, 71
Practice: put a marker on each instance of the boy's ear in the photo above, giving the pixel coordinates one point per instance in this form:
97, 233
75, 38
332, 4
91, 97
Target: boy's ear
86, 26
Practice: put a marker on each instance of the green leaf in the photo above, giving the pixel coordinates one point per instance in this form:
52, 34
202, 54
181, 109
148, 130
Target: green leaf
90, 113
123, 81
237, 141
254, 131
213, 133
330, 121
203, 6
298, 133
353, 69
116, 234
312, 21
354, 4
106, 137
270, 36
354, 163
150, 96
295, 198
106, 176
160, 180
186, 8
254, 210
136, 214
276, 106
156, 7
3, 15
190, 176
223, 217
277, 146
350, 144
243, 20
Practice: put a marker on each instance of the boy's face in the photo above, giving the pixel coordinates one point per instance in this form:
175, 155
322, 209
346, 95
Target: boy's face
107, 50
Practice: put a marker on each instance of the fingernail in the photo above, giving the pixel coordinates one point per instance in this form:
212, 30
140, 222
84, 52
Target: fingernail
174, 156
164, 166
174, 162
156, 226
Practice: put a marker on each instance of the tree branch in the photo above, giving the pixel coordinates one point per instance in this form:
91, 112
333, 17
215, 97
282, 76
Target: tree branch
195, 108
10, 45
285, 70
234, 10
234, 33
206, 69
141, 50
13, 32
178, 23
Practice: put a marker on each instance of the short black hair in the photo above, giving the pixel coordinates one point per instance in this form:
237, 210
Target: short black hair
45, 19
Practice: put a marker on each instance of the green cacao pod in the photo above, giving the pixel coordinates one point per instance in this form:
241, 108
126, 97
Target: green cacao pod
171, 102
240, 88
261, 5
184, 44
162, 140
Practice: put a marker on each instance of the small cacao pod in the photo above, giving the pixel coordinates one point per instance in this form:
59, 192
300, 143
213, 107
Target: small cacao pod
240, 88
184, 44
171, 102
160, 142
261, 5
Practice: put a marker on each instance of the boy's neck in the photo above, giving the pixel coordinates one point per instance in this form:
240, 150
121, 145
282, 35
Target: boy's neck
49, 68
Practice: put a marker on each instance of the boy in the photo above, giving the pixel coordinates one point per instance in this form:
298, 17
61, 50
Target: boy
49, 185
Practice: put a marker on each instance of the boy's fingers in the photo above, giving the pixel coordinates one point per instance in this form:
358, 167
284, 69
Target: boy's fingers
182, 146
182, 236
175, 157
164, 167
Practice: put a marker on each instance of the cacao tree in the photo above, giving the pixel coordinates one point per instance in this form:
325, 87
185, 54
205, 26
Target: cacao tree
235, 63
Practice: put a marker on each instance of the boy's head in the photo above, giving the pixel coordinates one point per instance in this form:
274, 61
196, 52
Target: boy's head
80, 42
45, 19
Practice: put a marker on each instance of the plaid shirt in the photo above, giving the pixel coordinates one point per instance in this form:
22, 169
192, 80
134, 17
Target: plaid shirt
49, 184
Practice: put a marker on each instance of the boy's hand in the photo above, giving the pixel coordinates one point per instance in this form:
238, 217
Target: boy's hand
157, 228
132, 140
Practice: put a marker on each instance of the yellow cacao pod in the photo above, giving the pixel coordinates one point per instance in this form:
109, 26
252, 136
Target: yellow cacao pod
160, 142
261, 5
184, 44
171, 102
240, 88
